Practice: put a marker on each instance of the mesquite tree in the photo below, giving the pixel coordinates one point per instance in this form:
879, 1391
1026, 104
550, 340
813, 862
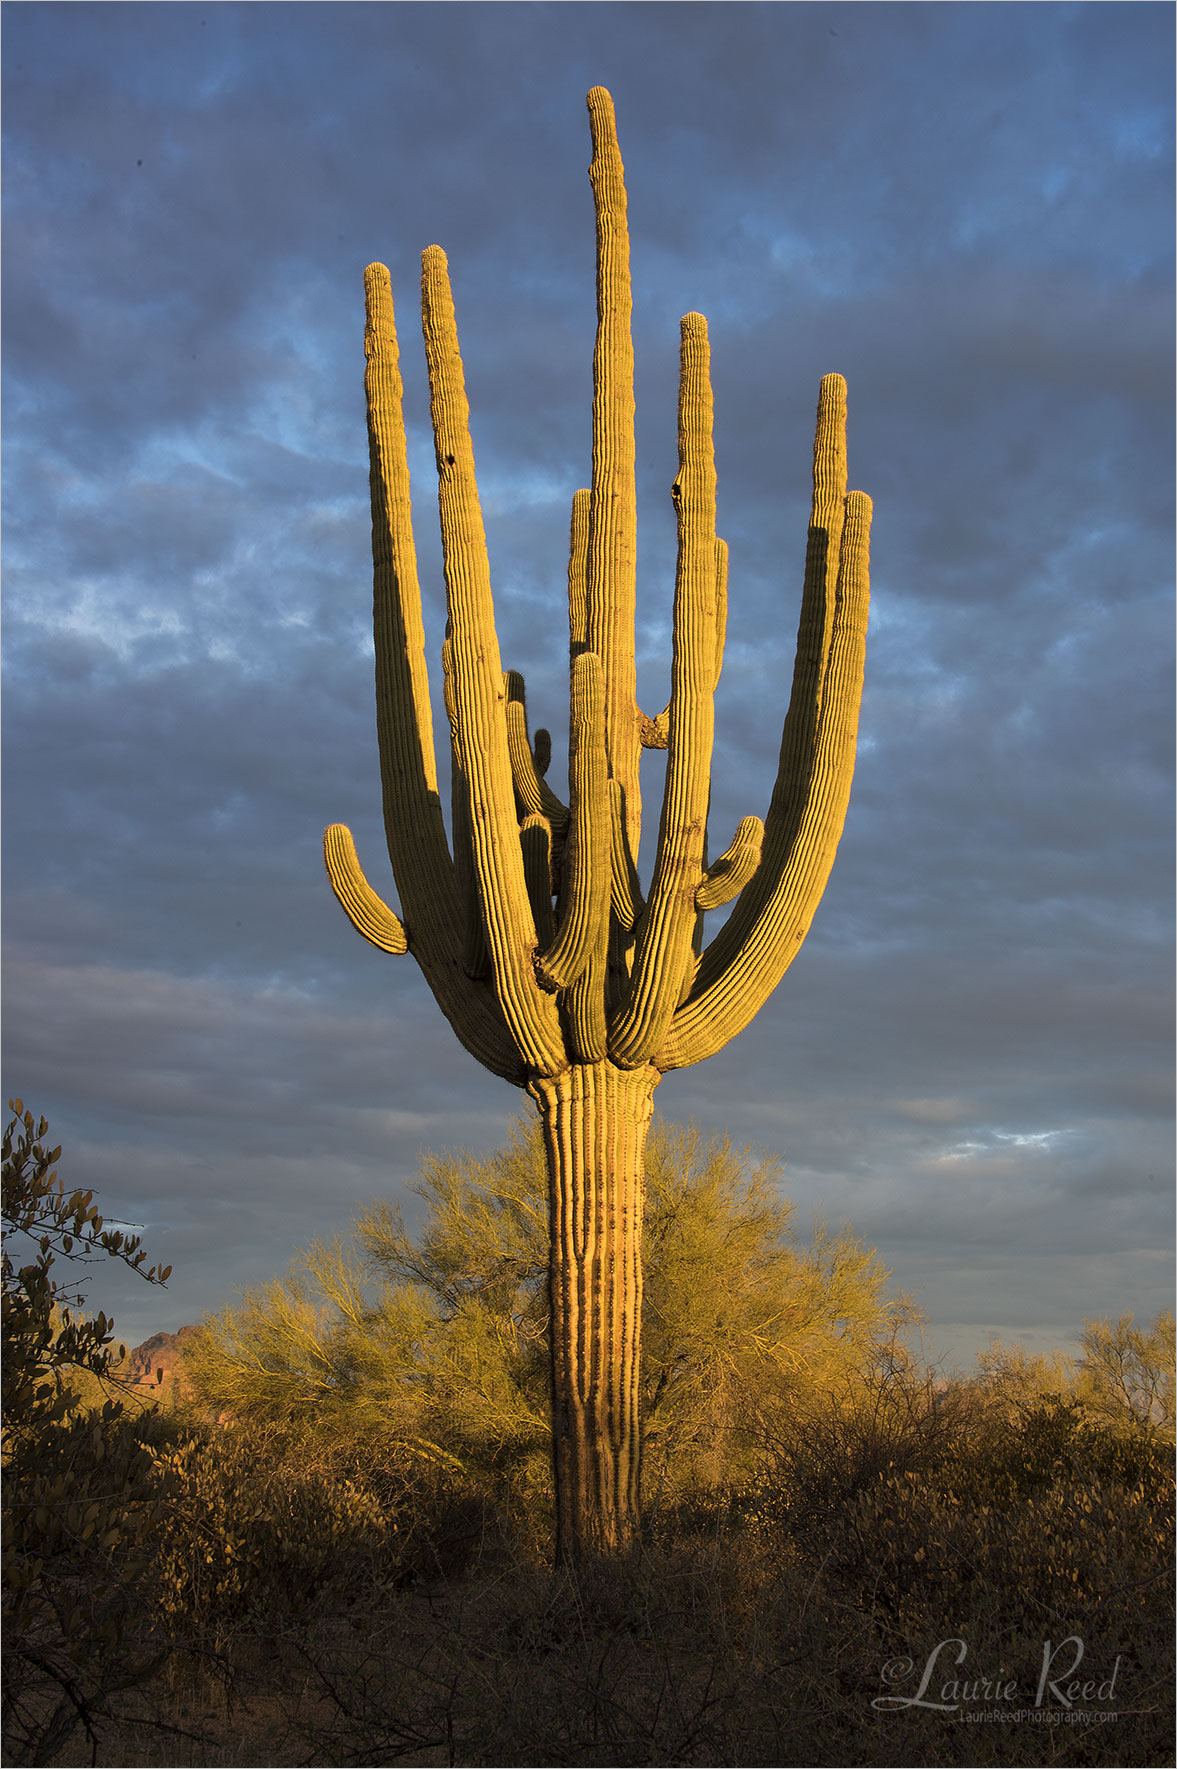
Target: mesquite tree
534, 935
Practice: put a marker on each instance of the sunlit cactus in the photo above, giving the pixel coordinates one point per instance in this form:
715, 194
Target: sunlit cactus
553, 968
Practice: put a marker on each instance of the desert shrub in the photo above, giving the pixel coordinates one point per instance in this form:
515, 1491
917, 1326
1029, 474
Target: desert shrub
1125, 1378
253, 1537
819, 1447
1056, 1438
930, 1515
921, 1545
82, 1508
267, 1527
1123, 1381
81, 1496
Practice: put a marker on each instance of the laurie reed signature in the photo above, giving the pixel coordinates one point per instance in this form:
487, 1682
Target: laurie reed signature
1062, 1684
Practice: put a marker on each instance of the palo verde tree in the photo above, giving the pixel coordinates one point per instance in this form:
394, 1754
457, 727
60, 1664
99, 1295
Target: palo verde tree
553, 968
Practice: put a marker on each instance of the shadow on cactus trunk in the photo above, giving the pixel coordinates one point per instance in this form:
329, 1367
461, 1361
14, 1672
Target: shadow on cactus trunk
552, 966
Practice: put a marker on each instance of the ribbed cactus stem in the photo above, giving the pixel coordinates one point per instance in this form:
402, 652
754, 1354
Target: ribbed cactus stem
665, 942
478, 689
475, 951
415, 830
595, 1119
532, 790
578, 544
586, 900
721, 558
734, 867
535, 839
611, 589
368, 912
541, 753
628, 902
752, 951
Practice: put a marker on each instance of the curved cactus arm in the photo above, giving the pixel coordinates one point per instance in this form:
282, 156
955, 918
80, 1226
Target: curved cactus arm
628, 902
535, 839
664, 947
610, 597
368, 913
751, 953
734, 867
413, 821
478, 698
541, 752
585, 905
532, 790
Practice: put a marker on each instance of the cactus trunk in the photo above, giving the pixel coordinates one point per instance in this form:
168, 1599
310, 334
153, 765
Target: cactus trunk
595, 1117
533, 933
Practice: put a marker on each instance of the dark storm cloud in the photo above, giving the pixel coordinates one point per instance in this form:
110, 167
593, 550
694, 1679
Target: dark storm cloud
967, 211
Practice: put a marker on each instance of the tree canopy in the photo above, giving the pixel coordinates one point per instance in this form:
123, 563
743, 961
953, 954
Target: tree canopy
439, 1337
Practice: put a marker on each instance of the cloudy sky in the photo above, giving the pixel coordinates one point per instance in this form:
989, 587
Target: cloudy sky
966, 210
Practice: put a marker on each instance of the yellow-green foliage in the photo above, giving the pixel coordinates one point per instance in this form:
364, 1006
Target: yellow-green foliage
740, 1321
1123, 1379
1125, 1376
438, 1342
320, 1343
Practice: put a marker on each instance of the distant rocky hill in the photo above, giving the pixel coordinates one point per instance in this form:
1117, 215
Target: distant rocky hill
163, 1352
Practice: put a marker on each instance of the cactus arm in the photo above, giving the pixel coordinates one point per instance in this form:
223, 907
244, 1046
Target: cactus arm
479, 721
734, 867
541, 754
585, 904
393, 549
588, 862
578, 542
535, 839
655, 732
584, 1005
610, 597
720, 606
751, 953
628, 902
413, 820
665, 938
534, 794
367, 912
475, 951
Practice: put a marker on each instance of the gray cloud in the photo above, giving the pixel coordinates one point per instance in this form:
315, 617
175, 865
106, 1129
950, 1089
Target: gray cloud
965, 210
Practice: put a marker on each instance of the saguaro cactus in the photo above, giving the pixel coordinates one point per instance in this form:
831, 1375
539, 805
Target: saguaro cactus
534, 935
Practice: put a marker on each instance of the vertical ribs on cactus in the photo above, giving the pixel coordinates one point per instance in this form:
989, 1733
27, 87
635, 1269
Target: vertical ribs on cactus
554, 967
